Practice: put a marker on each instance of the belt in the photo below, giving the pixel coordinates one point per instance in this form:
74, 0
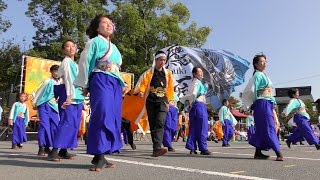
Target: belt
21, 115
159, 91
301, 110
266, 92
53, 100
201, 99
103, 65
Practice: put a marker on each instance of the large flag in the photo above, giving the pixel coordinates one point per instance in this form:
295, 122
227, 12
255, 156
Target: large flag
222, 70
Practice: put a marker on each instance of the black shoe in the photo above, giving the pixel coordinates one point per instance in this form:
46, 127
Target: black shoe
63, 153
98, 165
47, 150
53, 155
301, 143
318, 146
193, 152
14, 146
224, 145
215, 141
205, 152
95, 161
20, 146
279, 157
261, 156
288, 143
170, 149
133, 146
294, 144
159, 152
228, 145
41, 151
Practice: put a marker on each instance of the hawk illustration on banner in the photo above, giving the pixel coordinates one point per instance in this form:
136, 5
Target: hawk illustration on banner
222, 70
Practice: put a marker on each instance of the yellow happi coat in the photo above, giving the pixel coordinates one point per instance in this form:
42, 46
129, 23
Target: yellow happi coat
143, 85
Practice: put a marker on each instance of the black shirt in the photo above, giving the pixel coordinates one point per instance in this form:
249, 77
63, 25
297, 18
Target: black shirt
158, 80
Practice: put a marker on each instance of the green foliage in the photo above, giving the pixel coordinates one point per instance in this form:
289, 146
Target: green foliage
57, 21
144, 27
10, 60
234, 102
4, 24
313, 114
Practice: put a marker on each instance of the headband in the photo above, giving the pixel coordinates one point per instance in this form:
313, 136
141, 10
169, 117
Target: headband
161, 55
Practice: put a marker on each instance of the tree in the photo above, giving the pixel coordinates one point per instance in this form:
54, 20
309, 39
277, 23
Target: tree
58, 20
10, 60
313, 114
144, 26
234, 102
4, 24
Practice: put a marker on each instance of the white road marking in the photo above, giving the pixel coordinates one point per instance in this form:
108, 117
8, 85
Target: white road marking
240, 154
182, 169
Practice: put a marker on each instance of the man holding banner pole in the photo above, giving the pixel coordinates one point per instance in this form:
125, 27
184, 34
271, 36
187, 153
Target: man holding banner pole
156, 85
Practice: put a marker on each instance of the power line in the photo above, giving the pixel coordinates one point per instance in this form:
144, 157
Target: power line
307, 77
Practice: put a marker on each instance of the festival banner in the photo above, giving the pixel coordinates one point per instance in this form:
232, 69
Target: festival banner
223, 71
37, 70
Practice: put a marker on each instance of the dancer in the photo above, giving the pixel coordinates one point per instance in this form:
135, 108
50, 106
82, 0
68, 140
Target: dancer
19, 119
99, 67
250, 125
48, 111
301, 118
198, 116
228, 121
171, 123
262, 103
70, 104
156, 85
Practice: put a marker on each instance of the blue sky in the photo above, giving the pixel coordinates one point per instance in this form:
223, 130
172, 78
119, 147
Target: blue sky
287, 31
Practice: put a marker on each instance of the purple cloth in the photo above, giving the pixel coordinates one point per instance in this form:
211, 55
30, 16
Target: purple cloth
250, 132
304, 130
227, 132
104, 132
49, 120
19, 131
198, 129
265, 136
60, 93
124, 134
298, 135
170, 126
67, 133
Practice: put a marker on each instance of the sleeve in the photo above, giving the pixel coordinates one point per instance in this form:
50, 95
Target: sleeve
88, 55
65, 72
170, 87
39, 91
257, 81
142, 83
26, 116
222, 114
248, 121
12, 111
248, 96
195, 90
291, 106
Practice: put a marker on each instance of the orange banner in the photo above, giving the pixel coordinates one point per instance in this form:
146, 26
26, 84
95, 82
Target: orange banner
37, 70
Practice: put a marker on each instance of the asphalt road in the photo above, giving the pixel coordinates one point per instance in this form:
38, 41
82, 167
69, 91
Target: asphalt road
301, 162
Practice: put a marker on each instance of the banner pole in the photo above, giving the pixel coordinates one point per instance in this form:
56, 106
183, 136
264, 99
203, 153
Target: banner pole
21, 75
